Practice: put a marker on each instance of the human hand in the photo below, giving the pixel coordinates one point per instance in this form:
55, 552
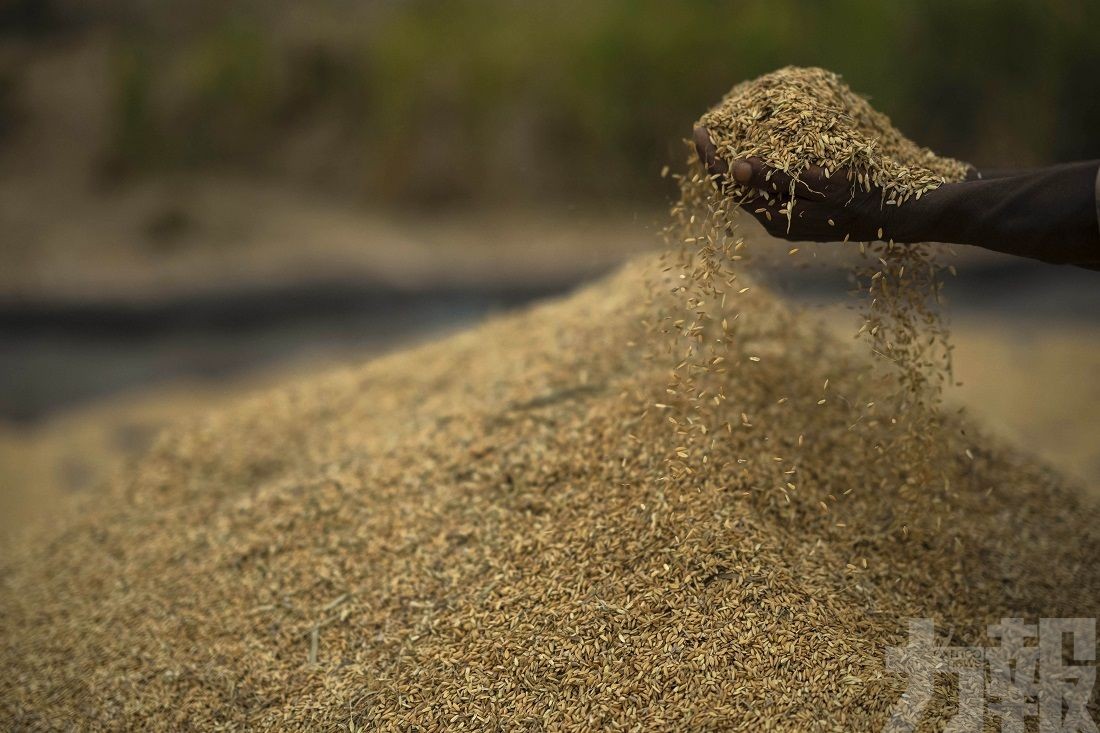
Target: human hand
1048, 214
823, 208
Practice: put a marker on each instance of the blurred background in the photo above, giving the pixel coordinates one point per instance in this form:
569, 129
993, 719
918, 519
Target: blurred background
198, 199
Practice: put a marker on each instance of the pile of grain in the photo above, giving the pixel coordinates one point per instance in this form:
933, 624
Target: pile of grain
476, 534
500, 531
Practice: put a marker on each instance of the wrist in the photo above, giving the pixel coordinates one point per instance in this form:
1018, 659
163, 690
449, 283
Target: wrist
952, 213
928, 219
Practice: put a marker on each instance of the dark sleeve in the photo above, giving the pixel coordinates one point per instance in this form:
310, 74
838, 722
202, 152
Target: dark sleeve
1050, 214
1096, 191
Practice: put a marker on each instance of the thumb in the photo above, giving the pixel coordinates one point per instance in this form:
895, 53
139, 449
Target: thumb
708, 153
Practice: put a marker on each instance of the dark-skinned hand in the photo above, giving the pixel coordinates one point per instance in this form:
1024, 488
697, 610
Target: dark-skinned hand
826, 208
1048, 214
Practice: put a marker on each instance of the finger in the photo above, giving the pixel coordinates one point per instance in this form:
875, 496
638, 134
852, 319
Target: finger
819, 185
810, 221
818, 221
811, 183
766, 211
757, 174
708, 153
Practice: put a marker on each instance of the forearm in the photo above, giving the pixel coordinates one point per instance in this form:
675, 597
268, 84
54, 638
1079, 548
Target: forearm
1048, 214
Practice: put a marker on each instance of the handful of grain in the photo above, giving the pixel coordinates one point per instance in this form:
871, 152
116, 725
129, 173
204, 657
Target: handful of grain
795, 117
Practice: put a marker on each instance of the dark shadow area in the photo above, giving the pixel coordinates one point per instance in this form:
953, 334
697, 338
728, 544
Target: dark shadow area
58, 354
55, 355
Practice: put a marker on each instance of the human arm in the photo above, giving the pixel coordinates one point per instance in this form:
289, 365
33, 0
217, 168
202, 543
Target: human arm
1048, 214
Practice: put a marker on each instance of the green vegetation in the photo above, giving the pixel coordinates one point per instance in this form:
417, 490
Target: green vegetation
491, 99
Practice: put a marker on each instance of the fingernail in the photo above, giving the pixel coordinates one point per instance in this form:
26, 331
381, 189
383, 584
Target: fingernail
742, 171
703, 146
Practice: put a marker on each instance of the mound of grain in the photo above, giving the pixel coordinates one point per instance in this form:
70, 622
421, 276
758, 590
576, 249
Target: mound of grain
482, 534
